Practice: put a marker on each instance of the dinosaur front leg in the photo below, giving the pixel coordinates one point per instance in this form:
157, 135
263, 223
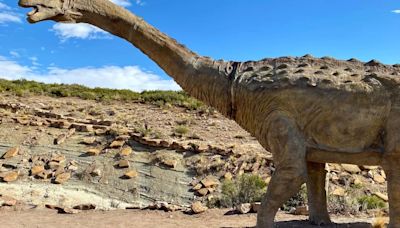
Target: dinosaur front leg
393, 181
288, 147
316, 175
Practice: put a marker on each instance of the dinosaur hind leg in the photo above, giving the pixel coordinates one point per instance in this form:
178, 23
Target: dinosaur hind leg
391, 165
316, 175
288, 148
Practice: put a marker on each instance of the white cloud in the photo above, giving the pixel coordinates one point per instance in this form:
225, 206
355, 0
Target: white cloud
4, 6
123, 3
140, 2
128, 77
9, 17
15, 54
79, 31
396, 11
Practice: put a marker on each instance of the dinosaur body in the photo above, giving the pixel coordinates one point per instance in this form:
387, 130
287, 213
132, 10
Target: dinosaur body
338, 105
306, 111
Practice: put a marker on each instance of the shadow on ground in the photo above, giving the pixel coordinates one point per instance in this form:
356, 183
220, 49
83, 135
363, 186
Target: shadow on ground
306, 224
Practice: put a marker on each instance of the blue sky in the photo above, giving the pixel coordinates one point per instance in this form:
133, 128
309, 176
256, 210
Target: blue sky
232, 30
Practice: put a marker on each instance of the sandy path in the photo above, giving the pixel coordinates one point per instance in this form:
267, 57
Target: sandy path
46, 218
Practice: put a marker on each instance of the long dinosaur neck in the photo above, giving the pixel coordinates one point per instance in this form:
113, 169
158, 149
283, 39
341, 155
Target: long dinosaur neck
200, 77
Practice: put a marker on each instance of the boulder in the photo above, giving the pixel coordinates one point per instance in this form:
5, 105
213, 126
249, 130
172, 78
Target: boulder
58, 158
10, 176
8, 201
339, 191
62, 178
96, 172
243, 208
351, 168
123, 164
37, 169
369, 167
93, 152
130, 174
82, 127
301, 210
210, 181
11, 153
117, 144
382, 196
202, 191
44, 174
379, 179
126, 151
171, 163
53, 165
197, 207
357, 181
60, 124
89, 141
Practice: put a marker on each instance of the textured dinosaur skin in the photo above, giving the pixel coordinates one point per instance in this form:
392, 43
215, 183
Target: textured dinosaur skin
306, 111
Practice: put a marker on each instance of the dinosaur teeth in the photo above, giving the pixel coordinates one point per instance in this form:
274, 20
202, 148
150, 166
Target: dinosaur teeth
35, 10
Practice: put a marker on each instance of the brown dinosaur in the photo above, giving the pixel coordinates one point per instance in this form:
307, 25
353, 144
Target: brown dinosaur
306, 111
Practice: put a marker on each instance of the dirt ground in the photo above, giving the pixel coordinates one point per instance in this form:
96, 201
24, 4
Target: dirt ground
46, 218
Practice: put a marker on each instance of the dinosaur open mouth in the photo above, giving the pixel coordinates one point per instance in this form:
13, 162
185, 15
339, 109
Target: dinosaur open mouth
35, 10
39, 12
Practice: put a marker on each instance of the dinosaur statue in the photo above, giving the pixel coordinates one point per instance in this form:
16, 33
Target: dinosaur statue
306, 111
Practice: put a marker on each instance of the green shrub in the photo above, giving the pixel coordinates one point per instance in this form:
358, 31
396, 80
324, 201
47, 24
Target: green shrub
144, 132
246, 189
371, 202
181, 130
161, 98
300, 199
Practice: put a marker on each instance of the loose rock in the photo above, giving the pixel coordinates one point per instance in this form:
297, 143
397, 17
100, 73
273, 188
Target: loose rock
62, 178
379, 179
93, 152
202, 191
339, 191
89, 140
197, 207
210, 181
171, 163
11, 153
197, 187
351, 168
96, 172
8, 201
382, 196
123, 164
117, 144
37, 169
10, 176
244, 208
130, 174
126, 151
301, 210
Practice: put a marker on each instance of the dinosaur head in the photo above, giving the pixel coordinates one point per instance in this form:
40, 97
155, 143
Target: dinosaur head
56, 10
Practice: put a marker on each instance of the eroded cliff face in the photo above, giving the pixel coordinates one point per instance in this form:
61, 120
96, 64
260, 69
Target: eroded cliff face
68, 152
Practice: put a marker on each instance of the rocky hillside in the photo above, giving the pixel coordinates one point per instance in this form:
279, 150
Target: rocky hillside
66, 152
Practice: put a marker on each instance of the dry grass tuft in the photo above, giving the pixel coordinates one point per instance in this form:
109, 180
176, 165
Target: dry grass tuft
379, 222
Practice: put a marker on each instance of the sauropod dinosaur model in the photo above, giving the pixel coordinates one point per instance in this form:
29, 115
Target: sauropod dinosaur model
306, 111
